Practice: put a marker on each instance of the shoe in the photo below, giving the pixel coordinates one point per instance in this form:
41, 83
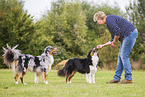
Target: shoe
126, 82
112, 82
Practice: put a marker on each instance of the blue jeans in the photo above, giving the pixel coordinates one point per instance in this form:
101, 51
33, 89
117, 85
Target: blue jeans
123, 56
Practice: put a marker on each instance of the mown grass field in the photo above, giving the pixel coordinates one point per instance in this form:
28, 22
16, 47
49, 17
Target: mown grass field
78, 88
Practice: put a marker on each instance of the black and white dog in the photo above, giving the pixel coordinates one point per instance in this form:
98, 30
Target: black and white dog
21, 62
86, 66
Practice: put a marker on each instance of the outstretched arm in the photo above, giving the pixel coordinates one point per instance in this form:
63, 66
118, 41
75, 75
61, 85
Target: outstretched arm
100, 46
113, 43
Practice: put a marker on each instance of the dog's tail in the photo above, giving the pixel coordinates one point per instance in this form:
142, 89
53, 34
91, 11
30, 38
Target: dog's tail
10, 55
61, 73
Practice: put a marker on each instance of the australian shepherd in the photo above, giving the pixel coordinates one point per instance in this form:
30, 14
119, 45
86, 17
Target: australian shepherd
86, 66
20, 63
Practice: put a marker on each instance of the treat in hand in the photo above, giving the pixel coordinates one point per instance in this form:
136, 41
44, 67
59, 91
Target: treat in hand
99, 46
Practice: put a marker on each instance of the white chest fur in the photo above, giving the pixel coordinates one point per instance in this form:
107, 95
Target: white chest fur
90, 77
49, 60
95, 60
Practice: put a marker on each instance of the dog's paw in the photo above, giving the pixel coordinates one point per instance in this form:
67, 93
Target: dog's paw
89, 82
46, 82
36, 82
69, 82
25, 83
16, 82
94, 82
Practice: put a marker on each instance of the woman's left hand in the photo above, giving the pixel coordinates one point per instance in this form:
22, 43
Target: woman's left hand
113, 45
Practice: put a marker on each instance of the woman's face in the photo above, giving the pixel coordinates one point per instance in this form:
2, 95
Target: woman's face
101, 22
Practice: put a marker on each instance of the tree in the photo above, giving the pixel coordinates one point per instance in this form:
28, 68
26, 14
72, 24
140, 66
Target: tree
66, 23
136, 12
16, 26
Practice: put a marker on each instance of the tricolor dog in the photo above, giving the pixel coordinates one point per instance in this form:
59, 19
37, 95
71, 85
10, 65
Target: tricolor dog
20, 63
86, 66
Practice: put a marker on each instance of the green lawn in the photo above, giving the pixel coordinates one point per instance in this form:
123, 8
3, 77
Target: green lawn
78, 88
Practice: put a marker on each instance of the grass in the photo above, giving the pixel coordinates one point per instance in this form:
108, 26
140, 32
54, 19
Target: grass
78, 88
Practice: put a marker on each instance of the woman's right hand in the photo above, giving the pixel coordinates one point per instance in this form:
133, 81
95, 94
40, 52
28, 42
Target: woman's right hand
99, 46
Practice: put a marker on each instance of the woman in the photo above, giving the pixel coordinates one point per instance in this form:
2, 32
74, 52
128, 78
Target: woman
122, 30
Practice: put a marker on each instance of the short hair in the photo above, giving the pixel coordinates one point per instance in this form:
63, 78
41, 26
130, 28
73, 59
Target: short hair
98, 15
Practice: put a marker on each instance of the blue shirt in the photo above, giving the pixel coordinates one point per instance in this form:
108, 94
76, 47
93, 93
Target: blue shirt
118, 26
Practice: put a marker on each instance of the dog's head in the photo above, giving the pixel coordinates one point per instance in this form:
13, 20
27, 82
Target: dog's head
93, 52
50, 50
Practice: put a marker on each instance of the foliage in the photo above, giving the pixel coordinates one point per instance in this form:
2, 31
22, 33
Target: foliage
136, 11
16, 26
68, 26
